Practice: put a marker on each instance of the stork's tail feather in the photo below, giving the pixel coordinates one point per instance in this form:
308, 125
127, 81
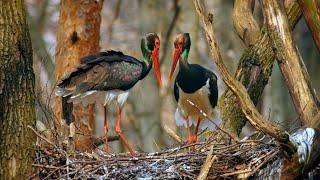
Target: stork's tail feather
59, 91
99, 97
86, 98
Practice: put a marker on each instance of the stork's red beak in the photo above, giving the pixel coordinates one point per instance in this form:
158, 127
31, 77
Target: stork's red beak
176, 55
156, 65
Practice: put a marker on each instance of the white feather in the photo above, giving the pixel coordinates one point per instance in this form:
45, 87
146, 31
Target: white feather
61, 92
109, 97
211, 125
122, 98
180, 121
86, 98
204, 123
100, 97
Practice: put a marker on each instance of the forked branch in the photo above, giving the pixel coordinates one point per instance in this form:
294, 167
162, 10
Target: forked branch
248, 108
254, 70
290, 61
244, 23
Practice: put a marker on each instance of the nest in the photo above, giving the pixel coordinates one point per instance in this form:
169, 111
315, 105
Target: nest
229, 159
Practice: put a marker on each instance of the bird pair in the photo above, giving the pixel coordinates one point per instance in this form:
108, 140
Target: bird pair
108, 76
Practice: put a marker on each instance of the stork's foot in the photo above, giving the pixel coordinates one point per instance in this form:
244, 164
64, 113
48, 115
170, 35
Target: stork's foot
192, 138
120, 134
124, 140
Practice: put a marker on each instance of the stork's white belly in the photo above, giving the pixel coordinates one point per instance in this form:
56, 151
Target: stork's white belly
101, 97
195, 104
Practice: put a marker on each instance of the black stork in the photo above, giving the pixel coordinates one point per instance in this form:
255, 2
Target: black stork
108, 76
195, 90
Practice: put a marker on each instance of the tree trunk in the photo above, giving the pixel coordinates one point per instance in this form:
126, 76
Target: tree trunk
78, 36
244, 23
253, 72
290, 62
311, 14
17, 104
245, 102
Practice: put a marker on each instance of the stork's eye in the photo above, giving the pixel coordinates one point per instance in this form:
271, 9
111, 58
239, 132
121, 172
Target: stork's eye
157, 43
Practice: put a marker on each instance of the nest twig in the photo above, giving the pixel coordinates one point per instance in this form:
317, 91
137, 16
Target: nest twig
236, 159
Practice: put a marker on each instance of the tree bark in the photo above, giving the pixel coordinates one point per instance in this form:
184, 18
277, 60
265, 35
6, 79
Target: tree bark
244, 23
303, 145
311, 13
236, 87
78, 36
17, 104
253, 72
290, 61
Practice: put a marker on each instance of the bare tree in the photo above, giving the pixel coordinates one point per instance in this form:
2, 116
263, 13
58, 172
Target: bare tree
302, 147
78, 36
254, 70
17, 104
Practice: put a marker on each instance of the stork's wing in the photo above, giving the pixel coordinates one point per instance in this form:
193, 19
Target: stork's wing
103, 71
106, 56
213, 88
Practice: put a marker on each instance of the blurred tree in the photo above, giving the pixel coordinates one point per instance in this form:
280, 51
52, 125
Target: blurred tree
78, 35
150, 126
17, 105
39, 45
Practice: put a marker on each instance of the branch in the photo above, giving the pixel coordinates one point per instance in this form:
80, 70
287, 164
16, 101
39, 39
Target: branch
205, 168
39, 47
236, 87
290, 61
254, 70
244, 23
172, 134
306, 140
98, 141
311, 13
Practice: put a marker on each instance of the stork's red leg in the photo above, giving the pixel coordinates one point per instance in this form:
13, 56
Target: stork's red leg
105, 128
119, 132
195, 137
188, 130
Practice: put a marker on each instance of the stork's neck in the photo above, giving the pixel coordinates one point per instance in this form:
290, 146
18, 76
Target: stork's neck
146, 65
183, 62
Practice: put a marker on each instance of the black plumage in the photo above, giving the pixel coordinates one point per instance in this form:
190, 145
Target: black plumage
195, 90
107, 76
194, 78
105, 71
